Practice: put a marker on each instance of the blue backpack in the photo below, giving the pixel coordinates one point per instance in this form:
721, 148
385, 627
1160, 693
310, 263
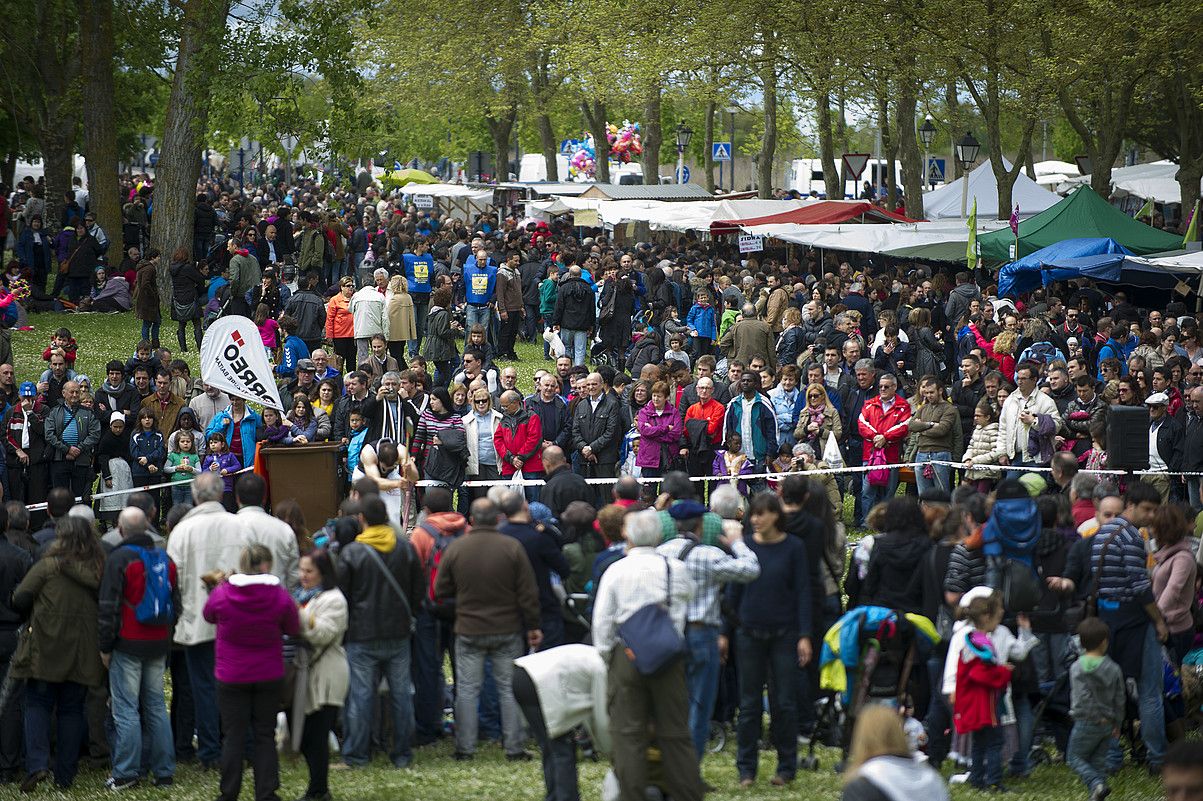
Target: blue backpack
155, 608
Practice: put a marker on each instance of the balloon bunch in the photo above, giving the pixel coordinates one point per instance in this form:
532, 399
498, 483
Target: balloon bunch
582, 164
625, 141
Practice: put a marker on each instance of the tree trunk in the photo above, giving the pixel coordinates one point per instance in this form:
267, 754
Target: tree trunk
912, 160
768, 145
888, 148
1189, 173
100, 127
549, 146
8, 169
202, 27
595, 118
953, 103
831, 173
58, 158
841, 136
708, 151
653, 135
1029, 164
501, 128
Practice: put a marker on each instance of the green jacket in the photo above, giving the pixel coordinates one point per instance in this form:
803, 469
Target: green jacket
548, 291
61, 600
439, 345
728, 319
245, 274
313, 250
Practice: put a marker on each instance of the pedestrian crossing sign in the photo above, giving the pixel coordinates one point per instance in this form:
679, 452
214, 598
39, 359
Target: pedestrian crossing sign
721, 151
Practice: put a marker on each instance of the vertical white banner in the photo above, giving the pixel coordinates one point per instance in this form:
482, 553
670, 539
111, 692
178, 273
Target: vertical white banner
234, 359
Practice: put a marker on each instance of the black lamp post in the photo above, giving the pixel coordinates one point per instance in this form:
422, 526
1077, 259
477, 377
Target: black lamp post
684, 134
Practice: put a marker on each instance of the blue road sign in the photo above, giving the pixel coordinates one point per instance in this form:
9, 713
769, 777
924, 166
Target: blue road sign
683, 175
721, 151
935, 171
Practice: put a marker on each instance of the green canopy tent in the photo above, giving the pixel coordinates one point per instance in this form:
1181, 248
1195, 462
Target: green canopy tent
1083, 214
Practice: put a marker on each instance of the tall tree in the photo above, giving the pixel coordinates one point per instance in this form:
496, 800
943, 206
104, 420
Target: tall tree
202, 28
99, 112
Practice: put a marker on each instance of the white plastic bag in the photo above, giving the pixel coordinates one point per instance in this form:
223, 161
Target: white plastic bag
552, 338
516, 482
831, 452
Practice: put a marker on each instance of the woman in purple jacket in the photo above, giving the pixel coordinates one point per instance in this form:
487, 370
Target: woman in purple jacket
660, 428
253, 613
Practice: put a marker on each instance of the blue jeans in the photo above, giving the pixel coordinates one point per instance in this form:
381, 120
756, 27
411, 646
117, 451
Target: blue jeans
150, 331
136, 683
767, 658
421, 310
1087, 751
987, 757
1025, 729
204, 698
1192, 494
470, 655
943, 477
576, 344
479, 315
871, 495
938, 721
701, 679
368, 661
1151, 687
66, 698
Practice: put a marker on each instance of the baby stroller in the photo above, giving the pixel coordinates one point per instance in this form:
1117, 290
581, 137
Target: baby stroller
868, 657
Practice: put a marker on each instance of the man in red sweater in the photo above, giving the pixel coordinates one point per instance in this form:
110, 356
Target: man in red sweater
883, 426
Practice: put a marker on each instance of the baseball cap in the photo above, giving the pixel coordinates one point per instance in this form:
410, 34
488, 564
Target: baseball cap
1157, 399
27, 389
306, 364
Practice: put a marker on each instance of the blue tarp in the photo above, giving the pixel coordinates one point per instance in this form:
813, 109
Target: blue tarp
1101, 259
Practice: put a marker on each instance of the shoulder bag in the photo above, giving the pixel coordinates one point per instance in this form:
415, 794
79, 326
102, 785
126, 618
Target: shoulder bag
652, 641
392, 582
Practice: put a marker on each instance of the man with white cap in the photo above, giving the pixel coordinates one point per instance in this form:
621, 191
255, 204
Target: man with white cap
369, 315
1165, 444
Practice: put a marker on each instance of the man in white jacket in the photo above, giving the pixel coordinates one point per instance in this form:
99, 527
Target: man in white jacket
557, 690
1025, 409
208, 538
369, 314
250, 490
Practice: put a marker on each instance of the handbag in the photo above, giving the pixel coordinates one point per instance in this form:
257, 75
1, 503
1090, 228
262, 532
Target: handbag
652, 641
879, 475
182, 312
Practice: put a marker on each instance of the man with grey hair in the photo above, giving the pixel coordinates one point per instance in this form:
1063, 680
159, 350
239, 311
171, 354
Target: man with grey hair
865, 388
369, 316
711, 565
748, 338
208, 539
641, 578
855, 300
135, 653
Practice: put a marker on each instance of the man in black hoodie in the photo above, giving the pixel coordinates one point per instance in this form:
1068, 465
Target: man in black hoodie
309, 310
204, 223
575, 314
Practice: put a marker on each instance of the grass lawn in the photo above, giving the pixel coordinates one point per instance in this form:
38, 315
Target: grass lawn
435, 776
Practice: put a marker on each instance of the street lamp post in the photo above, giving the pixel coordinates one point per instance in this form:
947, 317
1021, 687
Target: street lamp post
731, 119
684, 134
927, 132
966, 151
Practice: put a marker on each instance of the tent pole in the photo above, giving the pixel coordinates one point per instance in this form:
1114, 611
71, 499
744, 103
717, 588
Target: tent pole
1199, 295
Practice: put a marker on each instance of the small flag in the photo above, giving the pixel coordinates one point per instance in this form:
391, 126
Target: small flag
971, 247
1146, 210
1192, 230
1015, 220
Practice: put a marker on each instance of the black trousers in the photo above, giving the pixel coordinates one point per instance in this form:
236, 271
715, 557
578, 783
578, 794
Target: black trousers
73, 474
254, 705
509, 334
315, 739
183, 715
12, 722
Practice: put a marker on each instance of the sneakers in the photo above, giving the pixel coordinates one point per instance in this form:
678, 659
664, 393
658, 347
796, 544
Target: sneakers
116, 785
521, 756
1099, 792
164, 781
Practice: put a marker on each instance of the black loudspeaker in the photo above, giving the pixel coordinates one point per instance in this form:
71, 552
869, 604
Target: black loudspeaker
1128, 438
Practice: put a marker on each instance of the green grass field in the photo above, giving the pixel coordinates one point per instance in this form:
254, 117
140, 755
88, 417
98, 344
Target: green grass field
435, 776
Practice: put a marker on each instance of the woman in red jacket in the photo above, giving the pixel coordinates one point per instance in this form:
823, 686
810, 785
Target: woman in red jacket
980, 682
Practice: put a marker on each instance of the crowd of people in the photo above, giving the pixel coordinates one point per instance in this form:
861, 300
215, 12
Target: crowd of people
691, 439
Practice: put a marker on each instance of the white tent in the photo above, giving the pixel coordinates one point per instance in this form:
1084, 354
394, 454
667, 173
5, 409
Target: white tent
449, 191
1156, 180
699, 215
944, 240
945, 203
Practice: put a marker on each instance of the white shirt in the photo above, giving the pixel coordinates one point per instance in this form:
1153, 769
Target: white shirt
593, 402
1155, 460
638, 579
745, 428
